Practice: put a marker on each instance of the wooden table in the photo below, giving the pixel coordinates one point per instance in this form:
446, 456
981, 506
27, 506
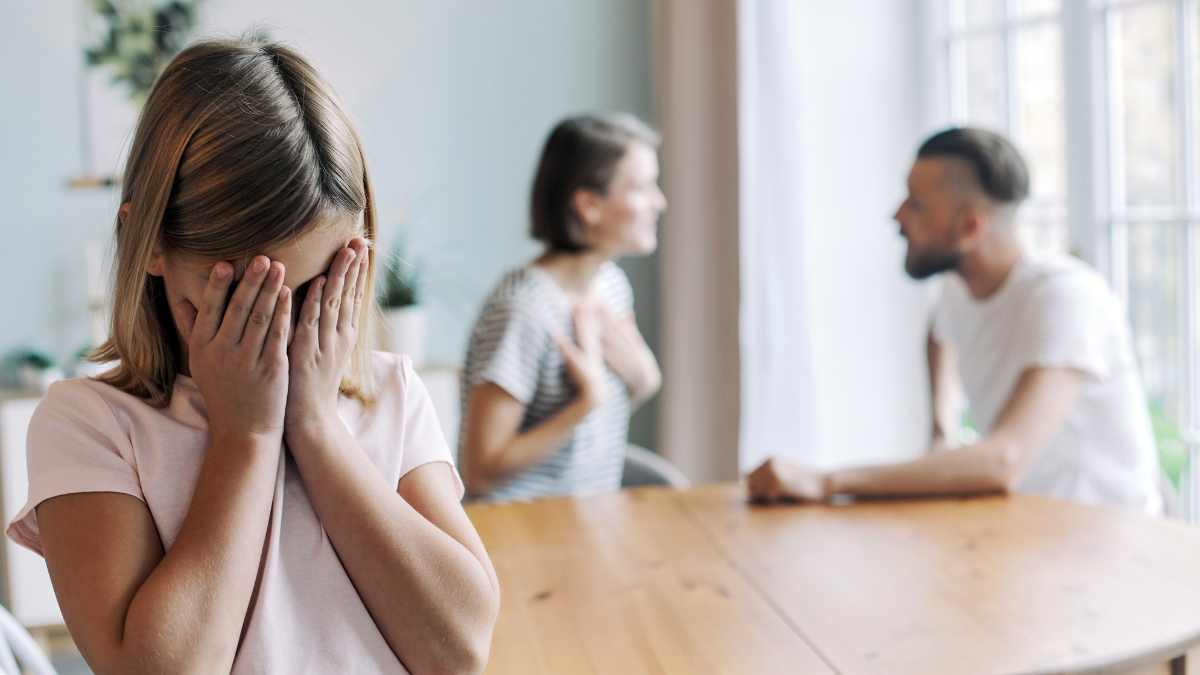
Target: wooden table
660, 581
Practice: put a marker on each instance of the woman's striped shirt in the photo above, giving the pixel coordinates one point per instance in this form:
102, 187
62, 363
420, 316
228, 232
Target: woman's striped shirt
512, 346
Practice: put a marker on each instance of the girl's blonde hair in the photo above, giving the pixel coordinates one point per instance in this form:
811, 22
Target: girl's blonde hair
241, 147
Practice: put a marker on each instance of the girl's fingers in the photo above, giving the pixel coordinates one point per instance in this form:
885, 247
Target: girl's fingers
277, 339
263, 311
331, 301
360, 288
310, 316
241, 303
350, 288
212, 304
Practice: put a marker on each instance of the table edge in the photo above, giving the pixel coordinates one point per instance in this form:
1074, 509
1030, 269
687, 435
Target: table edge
1123, 664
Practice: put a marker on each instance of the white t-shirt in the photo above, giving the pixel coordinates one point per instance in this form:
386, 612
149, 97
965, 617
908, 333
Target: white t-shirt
1054, 311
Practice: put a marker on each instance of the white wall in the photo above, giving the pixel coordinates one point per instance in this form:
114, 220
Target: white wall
453, 97
861, 125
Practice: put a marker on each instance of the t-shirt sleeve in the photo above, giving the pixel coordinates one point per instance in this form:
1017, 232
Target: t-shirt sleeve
1068, 325
424, 441
617, 290
75, 444
508, 347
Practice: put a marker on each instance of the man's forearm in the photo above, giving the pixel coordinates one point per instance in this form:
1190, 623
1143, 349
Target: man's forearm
985, 467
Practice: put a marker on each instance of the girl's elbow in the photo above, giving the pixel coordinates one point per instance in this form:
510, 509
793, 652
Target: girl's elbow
476, 657
469, 658
477, 646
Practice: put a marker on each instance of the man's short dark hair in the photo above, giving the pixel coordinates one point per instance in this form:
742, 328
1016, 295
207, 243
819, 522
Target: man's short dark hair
999, 167
580, 153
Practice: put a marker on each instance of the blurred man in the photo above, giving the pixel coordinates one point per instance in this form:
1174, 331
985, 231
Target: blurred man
1042, 344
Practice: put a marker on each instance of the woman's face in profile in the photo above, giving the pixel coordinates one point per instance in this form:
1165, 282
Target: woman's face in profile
625, 220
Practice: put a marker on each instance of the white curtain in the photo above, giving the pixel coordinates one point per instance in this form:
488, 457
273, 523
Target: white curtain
777, 404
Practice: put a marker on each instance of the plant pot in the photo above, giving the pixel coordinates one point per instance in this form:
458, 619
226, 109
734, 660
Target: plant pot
406, 327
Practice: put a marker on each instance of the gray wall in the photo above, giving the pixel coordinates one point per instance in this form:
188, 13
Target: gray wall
453, 98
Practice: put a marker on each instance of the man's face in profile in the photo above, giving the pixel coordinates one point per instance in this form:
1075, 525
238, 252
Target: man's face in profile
927, 219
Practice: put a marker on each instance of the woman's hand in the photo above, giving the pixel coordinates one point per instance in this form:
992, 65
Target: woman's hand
238, 353
627, 354
779, 480
585, 361
325, 338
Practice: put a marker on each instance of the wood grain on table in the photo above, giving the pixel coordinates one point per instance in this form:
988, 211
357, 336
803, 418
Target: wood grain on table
654, 580
625, 583
1013, 584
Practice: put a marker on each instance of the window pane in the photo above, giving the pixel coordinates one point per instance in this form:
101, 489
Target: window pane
982, 12
1042, 132
1194, 57
1193, 334
1145, 59
1031, 7
1154, 278
987, 97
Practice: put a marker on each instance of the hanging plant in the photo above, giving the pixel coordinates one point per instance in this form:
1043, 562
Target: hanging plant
135, 39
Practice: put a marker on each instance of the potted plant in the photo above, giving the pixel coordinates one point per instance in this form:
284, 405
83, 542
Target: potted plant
405, 320
36, 370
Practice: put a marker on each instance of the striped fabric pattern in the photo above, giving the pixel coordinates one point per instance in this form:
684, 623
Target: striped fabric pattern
512, 346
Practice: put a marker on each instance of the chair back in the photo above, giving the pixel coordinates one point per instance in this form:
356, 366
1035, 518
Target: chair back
643, 467
18, 646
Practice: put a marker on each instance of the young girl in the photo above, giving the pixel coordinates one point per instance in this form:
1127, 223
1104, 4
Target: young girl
542, 415
252, 490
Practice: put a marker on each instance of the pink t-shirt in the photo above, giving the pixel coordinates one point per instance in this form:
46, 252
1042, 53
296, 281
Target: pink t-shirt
305, 616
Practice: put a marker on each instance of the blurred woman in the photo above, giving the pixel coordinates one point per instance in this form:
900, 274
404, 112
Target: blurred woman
555, 362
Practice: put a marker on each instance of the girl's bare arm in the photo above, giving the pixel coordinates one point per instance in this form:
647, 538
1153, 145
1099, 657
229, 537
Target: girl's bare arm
413, 556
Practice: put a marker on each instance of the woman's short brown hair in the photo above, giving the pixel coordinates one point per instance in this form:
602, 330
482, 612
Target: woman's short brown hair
580, 153
241, 147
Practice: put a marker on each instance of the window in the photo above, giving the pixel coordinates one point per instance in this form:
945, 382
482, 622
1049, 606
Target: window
1103, 98
1005, 73
1151, 66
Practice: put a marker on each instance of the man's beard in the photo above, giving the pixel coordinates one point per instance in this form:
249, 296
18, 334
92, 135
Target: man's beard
928, 263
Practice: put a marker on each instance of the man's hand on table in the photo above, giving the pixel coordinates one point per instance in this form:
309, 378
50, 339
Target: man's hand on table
778, 480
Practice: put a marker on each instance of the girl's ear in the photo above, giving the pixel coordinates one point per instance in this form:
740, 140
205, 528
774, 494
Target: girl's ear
123, 213
158, 262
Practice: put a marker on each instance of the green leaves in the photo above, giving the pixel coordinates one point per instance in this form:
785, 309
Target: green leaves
135, 40
400, 281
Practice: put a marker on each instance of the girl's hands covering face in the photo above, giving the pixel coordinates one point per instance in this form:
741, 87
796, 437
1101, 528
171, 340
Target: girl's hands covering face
237, 354
324, 339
